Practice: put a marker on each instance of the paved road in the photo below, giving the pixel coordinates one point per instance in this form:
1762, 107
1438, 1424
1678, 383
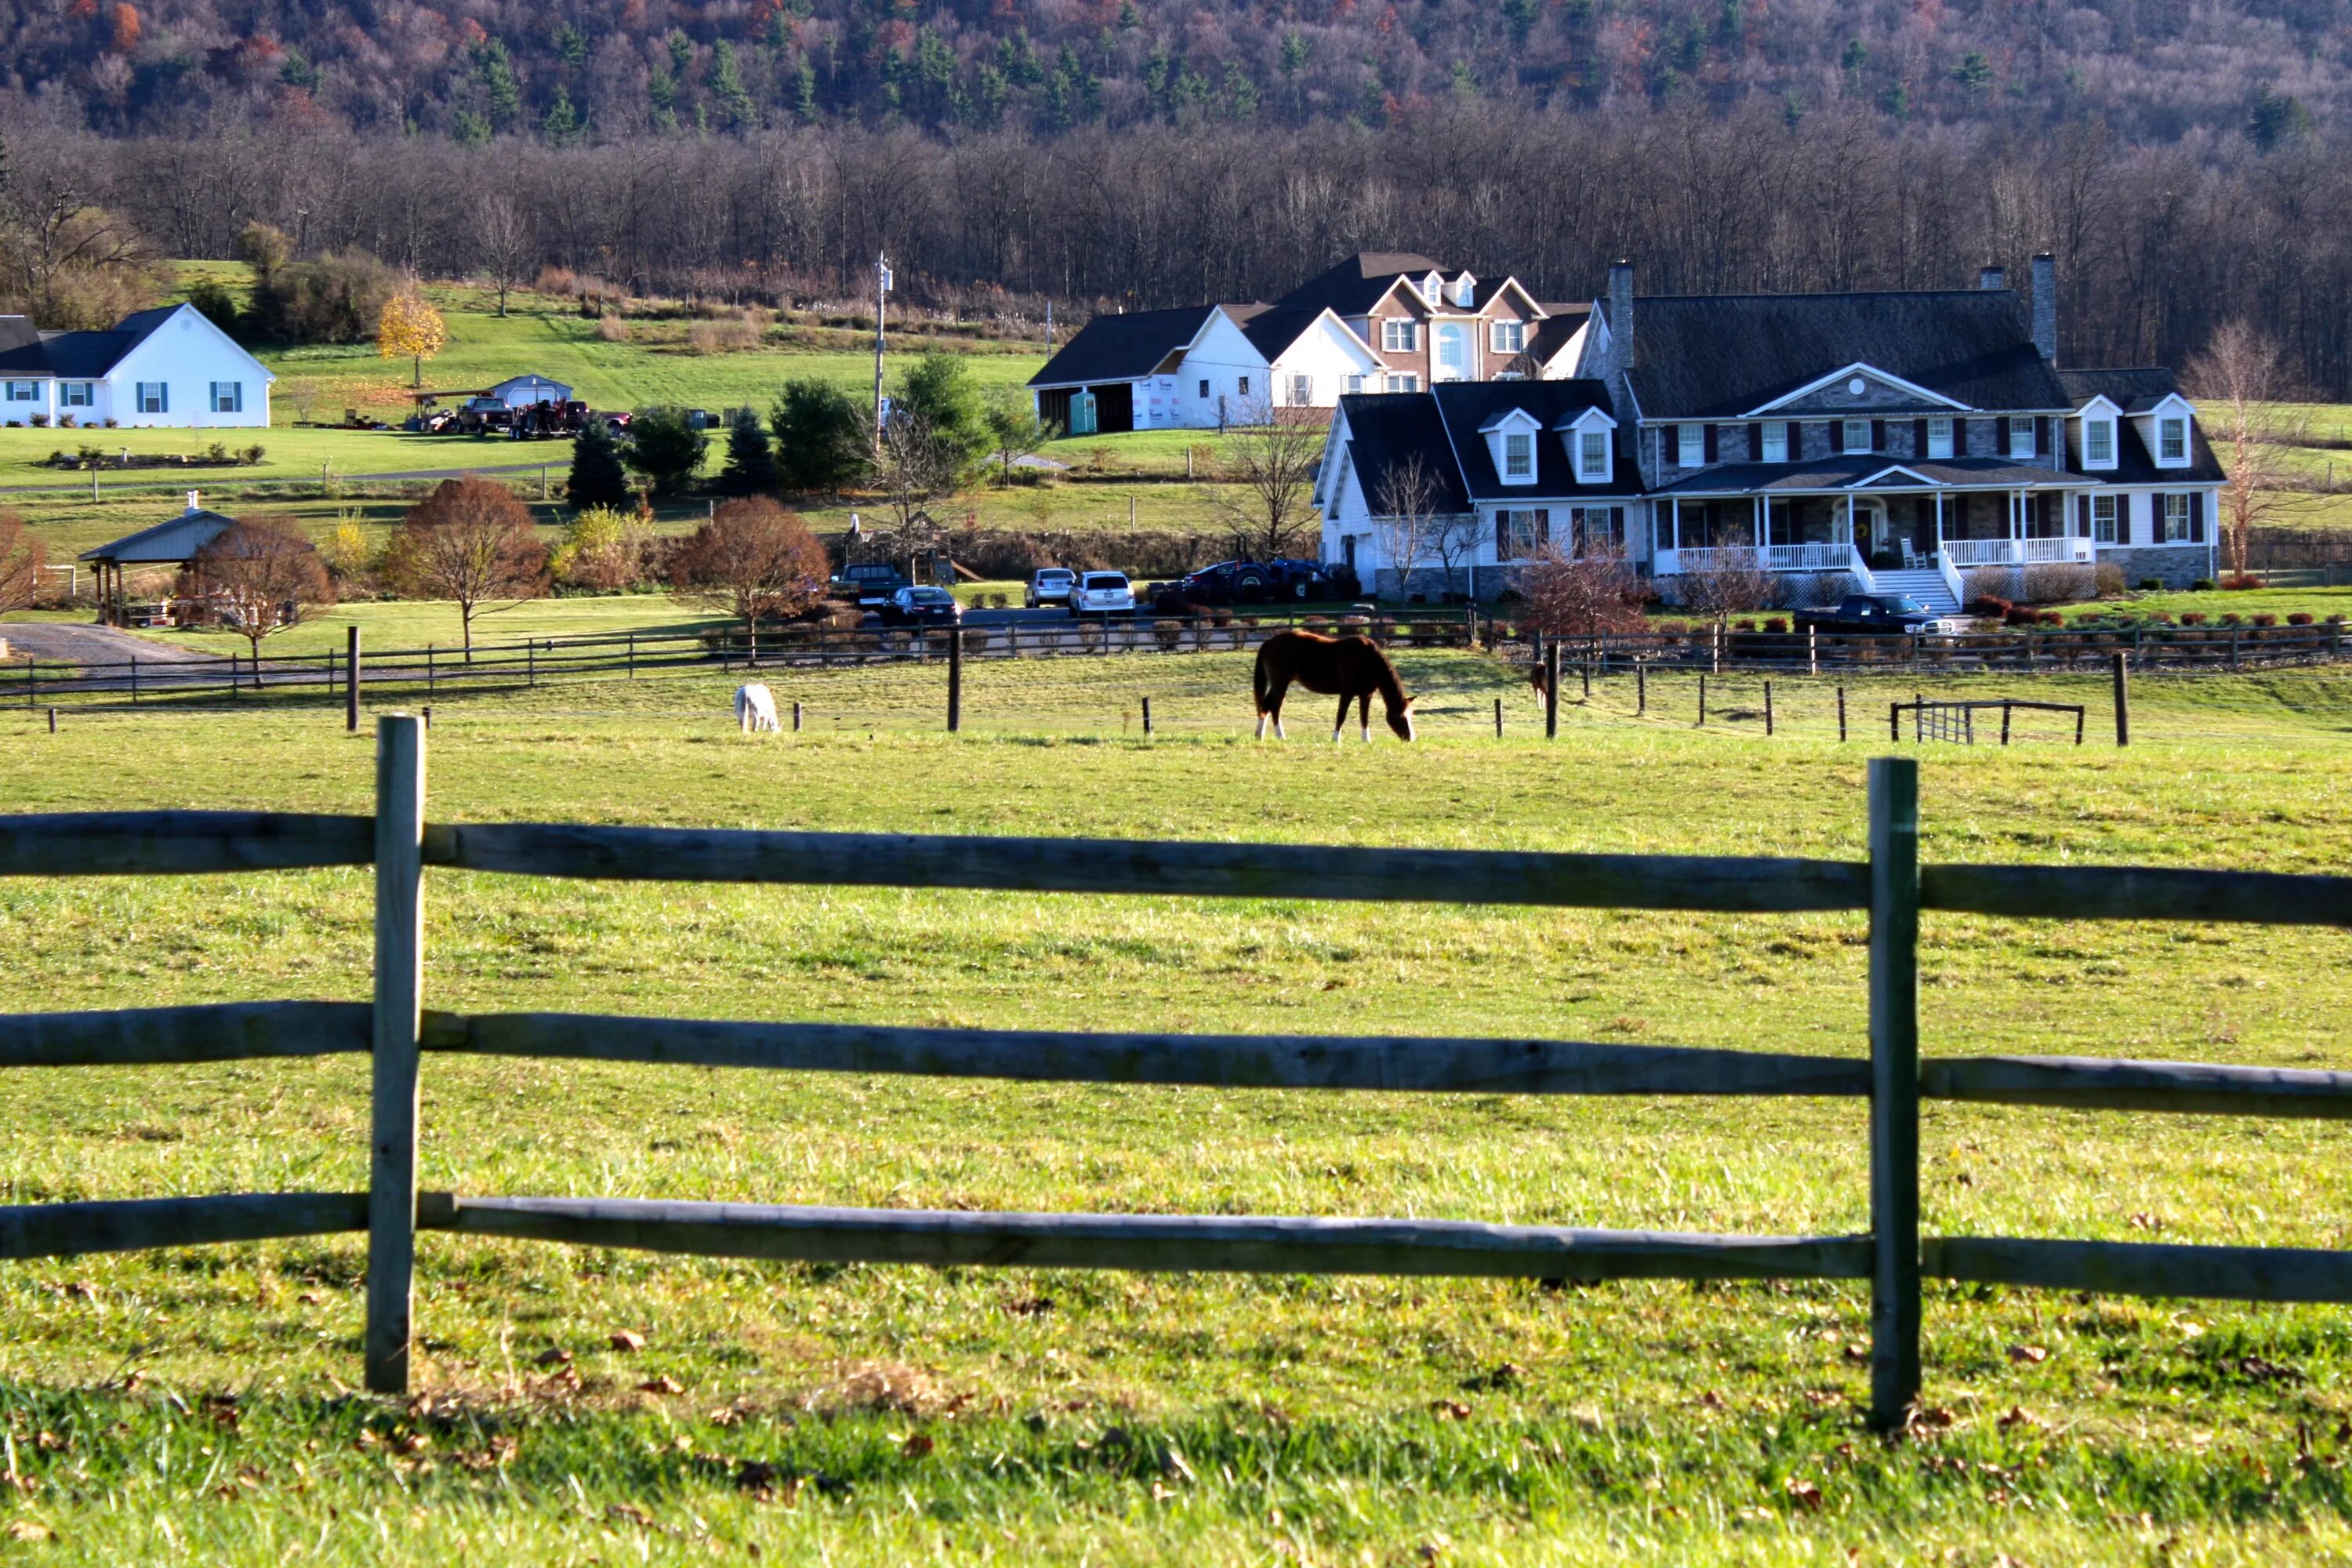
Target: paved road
83, 643
165, 480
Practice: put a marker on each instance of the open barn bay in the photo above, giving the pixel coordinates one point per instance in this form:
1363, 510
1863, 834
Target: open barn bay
200, 1405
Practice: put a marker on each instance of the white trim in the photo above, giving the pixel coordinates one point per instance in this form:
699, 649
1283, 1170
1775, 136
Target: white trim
1813, 387
1909, 474
1592, 415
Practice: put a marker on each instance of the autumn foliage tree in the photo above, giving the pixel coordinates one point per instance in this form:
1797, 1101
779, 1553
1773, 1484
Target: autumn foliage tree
753, 560
472, 542
409, 328
20, 564
264, 575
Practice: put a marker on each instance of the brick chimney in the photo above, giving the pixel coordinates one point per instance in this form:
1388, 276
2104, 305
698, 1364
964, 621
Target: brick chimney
1991, 278
2045, 306
1621, 315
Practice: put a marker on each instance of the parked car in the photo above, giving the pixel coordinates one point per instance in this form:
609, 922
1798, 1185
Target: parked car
1049, 585
1890, 614
1260, 582
1102, 594
870, 583
912, 606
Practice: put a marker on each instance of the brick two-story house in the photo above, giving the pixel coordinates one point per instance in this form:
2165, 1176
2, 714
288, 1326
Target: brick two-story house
1428, 325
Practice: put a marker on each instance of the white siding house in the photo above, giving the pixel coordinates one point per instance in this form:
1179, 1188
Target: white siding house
168, 366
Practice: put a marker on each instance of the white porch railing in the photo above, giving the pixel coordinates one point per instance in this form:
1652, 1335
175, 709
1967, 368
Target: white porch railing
1965, 552
1834, 557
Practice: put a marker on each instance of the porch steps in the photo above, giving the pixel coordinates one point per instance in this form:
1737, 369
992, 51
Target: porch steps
1925, 584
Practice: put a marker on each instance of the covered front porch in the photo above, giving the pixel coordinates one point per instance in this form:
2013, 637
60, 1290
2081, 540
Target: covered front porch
1863, 531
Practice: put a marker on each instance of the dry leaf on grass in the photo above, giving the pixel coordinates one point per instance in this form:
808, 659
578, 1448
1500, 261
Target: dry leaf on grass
1452, 1409
664, 1384
626, 1339
28, 1530
1802, 1492
916, 1444
2031, 1355
556, 1357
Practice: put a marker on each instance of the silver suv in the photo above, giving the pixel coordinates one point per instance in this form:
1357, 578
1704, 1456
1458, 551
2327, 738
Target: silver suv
1050, 586
1102, 594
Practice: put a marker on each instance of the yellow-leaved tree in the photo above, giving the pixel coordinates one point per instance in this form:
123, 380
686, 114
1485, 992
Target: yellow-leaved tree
411, 329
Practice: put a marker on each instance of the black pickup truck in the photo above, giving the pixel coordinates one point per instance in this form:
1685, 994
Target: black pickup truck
1891, 615
870, 583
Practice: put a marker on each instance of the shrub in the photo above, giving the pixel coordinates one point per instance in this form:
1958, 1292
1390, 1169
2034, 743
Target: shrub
217, 453
2299, 618
554, 280
2233, 619
41, 421
1743, 626
1990, 607
2265, 619
66, 421
2107, 580
253, 453
2156, 584
2202, 584
2056, 582
2018, 616
728, 336
1776, 624
610, 329
110, 422
2193, 617
2051, 619
2242, 580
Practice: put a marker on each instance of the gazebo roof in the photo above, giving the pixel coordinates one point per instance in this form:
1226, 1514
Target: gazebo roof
173, 541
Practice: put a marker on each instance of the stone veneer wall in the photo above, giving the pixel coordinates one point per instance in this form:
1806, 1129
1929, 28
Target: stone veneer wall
2176, 565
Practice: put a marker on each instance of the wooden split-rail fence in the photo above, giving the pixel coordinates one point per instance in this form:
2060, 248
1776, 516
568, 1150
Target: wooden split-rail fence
1892, 1257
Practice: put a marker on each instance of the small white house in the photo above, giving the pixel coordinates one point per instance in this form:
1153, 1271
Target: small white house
167, 366
525, 390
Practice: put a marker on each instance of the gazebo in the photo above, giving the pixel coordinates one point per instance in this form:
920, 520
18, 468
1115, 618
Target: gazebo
172, 542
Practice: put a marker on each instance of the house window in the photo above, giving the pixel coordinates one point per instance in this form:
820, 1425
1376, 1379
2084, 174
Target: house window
1453, 352
1776, 442
1355, 384
1432, 290
1509, 337
1939, 439
1857, 434
1518, 454
154, 397
1302, 391
1520, 534
2172, 443
1242, 387
229, 397
2176, 519
1592, 455
1205, 389
1690, 445
2099, 442
1595, 528
1400, 337
78, 394
2103, 519
2021, 438
24, 392
1404, 383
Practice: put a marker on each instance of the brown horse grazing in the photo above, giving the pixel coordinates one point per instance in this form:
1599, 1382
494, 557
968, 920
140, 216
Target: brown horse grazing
1352, 667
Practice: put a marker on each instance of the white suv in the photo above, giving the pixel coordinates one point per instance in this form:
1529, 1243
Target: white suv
1102, 594
1051, 585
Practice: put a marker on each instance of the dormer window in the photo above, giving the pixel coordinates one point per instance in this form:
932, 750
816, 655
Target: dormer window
2099, 443
1690, 445
1518, 454
1857, 434
1939, 439
1466, 290
1433, 290
1776, 441
2172, 442
1592, 455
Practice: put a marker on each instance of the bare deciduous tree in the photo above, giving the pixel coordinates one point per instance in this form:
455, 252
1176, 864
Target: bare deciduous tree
470, 540
20, 564
504, 234
914, 465
753, 560
263, 575
2241, 382
1592, 594
1454, 538
1405, 514
1730, 578
1269, 507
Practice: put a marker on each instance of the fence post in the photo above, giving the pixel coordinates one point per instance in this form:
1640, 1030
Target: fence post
2005, 710
1895, 722
955, 679
350, 682
134, 675
2123, 703
1894, 1089
632, 656
1641, 688
1585, 667
1841, 691
1552, 689
1768, 709
428, 669
530, 659
1702, 699
1813, 650
53, 720
1499, 718
796, 718
399, 999
1147, 717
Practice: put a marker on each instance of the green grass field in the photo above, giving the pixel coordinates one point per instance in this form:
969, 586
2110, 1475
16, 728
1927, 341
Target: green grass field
198, 1406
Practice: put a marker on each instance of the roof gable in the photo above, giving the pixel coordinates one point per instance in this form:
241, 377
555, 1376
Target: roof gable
1353, 287
1860, 385
1126, 347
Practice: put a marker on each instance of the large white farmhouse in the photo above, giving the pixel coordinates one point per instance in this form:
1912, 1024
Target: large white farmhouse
169, 366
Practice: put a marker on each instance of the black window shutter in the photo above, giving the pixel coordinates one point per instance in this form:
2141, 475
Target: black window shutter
2006, 434
1837, 435
1959, 437
1756, 442
2042, 435
1878, 435
2197, 517
1919, 437
1617, 525
2082, 516
1502, 536
1543, 526
1713, 442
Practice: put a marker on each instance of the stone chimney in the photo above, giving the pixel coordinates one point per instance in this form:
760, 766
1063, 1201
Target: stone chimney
1991, 278
1621, 315
2045, 306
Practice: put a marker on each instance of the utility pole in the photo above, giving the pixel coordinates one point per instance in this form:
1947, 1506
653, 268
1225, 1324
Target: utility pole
881, 299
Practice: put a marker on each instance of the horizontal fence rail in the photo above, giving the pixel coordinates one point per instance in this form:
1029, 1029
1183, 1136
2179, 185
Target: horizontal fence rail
1188, 1243
1894, 1256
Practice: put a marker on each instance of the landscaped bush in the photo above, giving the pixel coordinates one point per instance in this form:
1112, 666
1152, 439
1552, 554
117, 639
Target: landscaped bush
41, 421
1990, 609
2193, 617
2202, 584
2107, 580
2233, 619
2242, 580
1776, 624
2056, 582
2299, 618
2156, 584
2050, 618
2265, 619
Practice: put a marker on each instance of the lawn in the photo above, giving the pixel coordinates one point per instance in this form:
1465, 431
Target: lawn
197, 1405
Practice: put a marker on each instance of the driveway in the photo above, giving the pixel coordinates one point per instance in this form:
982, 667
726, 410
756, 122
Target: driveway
60, 642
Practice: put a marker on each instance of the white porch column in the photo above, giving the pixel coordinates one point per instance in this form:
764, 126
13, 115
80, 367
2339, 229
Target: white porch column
1677, 504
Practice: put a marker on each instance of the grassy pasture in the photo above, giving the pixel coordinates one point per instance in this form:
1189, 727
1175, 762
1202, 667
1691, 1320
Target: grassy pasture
968, 1415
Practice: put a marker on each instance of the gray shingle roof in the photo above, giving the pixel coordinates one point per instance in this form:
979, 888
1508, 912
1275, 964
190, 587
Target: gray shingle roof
1442, 428
1840, 472
2136, 390
1721, 357
1387, 431
1355, 285
169, 542
76, 356
1122, 347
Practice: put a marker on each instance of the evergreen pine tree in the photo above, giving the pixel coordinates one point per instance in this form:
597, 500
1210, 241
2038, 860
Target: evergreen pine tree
751, 468
597, 479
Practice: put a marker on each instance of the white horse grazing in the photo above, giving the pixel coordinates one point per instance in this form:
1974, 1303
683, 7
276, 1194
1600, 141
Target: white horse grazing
755, 708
